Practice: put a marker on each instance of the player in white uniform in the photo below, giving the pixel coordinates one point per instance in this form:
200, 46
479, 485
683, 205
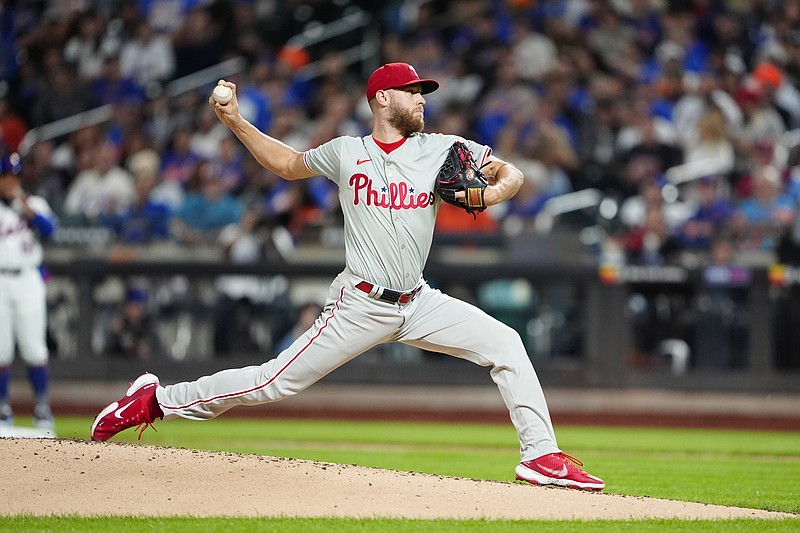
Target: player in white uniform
386, 183
23, 308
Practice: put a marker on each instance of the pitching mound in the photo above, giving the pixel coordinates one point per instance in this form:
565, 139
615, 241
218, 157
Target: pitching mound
56, 476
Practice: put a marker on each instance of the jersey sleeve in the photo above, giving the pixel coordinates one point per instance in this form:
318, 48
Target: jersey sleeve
40, 206
45, 220
480, 152
325, 159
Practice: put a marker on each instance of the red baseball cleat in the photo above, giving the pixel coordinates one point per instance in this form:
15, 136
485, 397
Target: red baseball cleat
134, 409
558, 469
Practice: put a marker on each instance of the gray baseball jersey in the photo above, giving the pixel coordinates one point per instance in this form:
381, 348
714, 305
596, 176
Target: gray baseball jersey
389, 209
388, 202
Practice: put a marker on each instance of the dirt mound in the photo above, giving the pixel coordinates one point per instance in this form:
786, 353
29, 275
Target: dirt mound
57, 476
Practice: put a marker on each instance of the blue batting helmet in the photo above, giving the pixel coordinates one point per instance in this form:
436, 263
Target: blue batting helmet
10, 164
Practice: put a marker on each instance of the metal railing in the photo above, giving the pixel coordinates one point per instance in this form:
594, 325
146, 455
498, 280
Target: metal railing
104, 113
314, 34
356, 19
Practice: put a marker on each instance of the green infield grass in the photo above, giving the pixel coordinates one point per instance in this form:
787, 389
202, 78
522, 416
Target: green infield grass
754, 469
315, 525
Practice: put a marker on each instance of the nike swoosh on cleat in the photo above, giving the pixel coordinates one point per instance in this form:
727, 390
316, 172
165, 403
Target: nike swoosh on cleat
105, 412
118, 412
555, 473
362, 161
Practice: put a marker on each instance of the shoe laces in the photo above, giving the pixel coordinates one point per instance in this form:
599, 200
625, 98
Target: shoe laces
141, 419
573, 463
141, 428
571, 459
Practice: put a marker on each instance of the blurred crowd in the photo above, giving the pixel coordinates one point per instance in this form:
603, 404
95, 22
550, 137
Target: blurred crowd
682, 112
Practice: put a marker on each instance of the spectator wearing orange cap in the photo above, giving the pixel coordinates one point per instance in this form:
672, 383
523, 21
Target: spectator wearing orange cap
784, 96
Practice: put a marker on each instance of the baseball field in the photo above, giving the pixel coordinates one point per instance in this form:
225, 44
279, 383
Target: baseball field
312, 475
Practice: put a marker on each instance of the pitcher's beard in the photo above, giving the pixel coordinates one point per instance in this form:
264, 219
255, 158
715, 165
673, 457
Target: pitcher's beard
404, 121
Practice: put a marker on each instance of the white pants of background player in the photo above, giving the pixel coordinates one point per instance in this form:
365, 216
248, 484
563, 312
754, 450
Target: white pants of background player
351, 323
23, 318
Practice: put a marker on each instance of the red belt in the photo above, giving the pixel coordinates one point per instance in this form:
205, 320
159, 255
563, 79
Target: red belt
387, 295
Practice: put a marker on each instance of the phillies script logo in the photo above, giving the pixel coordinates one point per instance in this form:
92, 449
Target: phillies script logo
397, 196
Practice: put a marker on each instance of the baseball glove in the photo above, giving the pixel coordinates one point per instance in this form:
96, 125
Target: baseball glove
460, 173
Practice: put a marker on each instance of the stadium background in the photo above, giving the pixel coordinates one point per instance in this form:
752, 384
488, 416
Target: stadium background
596, 101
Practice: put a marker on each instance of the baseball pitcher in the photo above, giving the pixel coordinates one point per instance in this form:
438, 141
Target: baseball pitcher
391, 184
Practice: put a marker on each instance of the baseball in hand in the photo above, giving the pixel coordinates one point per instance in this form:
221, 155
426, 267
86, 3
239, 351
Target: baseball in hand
222, 94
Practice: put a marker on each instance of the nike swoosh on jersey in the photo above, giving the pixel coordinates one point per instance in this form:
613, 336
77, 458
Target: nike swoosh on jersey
362, 161
555, 473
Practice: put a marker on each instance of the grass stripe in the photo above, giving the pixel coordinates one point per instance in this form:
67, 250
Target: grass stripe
313, 525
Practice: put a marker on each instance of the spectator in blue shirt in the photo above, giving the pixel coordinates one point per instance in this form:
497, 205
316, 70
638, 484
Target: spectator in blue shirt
709, 219
146, 220
113, 88
206, 210
758, 221
180, 161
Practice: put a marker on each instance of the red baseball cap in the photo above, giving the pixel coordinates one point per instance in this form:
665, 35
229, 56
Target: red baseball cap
394, 76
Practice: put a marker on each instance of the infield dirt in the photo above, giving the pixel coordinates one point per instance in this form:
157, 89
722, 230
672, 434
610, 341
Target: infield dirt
76, 477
